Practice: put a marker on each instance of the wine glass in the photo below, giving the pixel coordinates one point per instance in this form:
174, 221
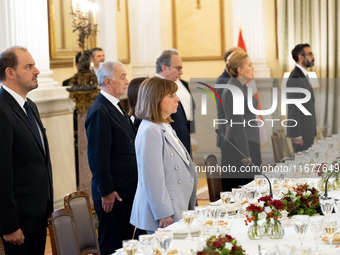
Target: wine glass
146, 243
226, 199
238, 196
316, 225
164, 238
327, 205
330, 227
188, 218
130, 246
300, 224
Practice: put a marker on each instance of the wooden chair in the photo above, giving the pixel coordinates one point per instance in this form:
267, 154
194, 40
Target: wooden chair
213, 178
62, 233
78, 204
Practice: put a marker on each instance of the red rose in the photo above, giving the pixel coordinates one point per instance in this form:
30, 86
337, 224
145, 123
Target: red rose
217, 244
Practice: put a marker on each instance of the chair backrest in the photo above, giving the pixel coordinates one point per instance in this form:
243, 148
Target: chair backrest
213, 178
287, 149
62, 233
78, 204
2, 248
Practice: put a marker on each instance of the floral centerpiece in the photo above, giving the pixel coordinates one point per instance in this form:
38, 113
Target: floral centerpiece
272, 208
255, 232
225, 245
301, 200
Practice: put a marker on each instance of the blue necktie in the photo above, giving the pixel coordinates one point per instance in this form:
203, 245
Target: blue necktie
33, 122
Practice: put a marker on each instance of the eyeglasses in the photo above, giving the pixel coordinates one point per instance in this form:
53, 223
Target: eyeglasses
179, 68
311, 54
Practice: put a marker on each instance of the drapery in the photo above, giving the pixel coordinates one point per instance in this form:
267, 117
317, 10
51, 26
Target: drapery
316, 22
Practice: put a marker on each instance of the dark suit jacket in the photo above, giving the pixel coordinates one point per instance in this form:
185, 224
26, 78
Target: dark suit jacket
222, 79
306, 126
181, 125
26, 193
239, 133
111, 151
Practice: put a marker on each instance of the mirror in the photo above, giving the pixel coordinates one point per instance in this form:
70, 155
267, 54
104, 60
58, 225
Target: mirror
62, 41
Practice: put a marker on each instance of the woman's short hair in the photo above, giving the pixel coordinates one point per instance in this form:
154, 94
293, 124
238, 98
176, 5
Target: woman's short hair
234, 61
132, 93
150, 94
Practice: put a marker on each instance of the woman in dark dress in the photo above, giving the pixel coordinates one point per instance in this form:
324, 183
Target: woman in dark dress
242, 133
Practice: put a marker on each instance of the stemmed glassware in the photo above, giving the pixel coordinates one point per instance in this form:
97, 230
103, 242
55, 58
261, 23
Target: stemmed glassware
250, 194
330, 227
337, 211
188, 218
300, 224
327, 205
146, 243
130, 246
215, 213
164, 238
226, 199
238, 196
201, 216
316, 225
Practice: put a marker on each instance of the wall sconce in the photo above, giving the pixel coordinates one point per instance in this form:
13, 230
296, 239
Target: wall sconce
84, 20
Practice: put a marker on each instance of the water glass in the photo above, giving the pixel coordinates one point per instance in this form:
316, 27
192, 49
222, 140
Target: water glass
130, 246
327, 205
238, 197
146, 243
250, 194
215, 213
164, 238
300, 224
316, 225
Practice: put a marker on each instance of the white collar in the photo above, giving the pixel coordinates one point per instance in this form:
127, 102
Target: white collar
21, 101
109, 97
305, 72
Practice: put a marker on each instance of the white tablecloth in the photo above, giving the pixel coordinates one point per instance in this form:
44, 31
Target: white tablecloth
239, 231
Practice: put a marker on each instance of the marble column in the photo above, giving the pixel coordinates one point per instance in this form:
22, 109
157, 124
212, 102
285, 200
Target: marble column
145, 30
107, 37
25, 23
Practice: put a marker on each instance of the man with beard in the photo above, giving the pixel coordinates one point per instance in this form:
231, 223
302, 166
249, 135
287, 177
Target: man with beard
303, 133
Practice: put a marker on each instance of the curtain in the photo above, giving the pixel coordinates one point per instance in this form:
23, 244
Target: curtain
316, 22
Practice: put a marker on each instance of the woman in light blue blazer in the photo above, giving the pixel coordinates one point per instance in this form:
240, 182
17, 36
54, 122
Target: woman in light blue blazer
167, 181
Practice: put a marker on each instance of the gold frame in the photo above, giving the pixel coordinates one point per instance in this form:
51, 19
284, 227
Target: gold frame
201, 58
128, 59
61, 57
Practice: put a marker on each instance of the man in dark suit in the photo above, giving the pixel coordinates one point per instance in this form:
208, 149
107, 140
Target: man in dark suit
303, 133
112, 158
169, 66
26, 195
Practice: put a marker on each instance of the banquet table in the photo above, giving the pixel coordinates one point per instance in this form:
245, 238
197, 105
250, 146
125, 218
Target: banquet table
239, 231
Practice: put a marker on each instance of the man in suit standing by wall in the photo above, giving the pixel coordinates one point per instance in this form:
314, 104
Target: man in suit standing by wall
112, 158
26, 195
169, 66
303, 133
